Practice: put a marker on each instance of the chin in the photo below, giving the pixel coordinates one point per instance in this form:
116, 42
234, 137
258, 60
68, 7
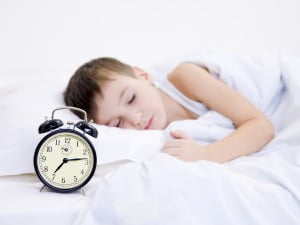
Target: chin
160, 126
158, 123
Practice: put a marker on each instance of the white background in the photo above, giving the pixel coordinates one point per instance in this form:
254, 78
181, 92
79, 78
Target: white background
57, 36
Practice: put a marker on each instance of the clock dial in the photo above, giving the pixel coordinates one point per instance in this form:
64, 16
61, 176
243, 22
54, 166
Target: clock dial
65, 160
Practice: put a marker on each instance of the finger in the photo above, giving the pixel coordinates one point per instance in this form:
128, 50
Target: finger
172, 151
171, 144
172, 154
182, 158
175, 143
179, 134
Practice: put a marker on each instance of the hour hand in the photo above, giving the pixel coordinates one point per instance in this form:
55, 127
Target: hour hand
65, 160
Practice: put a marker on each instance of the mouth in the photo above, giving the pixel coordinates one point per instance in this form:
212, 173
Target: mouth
149, 123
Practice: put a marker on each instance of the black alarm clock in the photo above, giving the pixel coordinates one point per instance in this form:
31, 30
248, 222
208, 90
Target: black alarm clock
65, 159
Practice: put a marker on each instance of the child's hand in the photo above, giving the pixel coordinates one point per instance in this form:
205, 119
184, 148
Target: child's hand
183, 148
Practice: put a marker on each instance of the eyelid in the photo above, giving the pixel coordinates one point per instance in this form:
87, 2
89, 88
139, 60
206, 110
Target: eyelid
119, 123
129, 102
132, 99
113, 124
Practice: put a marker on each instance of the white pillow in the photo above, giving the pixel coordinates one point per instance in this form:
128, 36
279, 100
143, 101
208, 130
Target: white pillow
24, 103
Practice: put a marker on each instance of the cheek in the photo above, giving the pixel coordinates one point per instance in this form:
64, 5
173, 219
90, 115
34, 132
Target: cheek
151, 101
96, 117
159, 112
96, 120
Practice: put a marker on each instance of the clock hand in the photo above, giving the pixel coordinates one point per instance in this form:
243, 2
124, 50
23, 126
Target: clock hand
76, 159
65, 160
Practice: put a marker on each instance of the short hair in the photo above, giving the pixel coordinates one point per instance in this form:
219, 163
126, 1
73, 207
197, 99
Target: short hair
88, 80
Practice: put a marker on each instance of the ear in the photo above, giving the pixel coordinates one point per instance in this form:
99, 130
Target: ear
141, 74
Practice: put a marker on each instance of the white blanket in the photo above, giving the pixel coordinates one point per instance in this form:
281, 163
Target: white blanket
261, 189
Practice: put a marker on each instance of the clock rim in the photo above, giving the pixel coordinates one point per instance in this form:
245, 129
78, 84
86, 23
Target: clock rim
44, 181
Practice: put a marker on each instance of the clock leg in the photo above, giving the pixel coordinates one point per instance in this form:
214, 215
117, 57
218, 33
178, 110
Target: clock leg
42, 188
82, 191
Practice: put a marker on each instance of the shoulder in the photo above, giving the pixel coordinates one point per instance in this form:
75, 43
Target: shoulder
188, 78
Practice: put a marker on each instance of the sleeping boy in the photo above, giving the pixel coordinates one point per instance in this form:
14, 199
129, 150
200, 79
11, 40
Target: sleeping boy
119, 95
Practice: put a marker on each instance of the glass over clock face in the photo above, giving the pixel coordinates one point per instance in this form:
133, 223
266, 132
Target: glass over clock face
65, 160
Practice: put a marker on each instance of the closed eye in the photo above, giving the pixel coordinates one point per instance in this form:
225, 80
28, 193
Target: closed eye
129, 102
132, 99
119, 123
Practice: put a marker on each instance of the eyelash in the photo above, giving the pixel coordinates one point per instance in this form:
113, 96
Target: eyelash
132, 99
130, 102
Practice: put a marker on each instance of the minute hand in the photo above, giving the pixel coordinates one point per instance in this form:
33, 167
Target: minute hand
76, 159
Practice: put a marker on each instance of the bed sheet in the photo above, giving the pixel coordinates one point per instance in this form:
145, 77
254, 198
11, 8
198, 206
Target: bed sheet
256, 190
23, 203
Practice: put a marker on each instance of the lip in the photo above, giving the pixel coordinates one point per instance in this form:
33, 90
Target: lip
149, 123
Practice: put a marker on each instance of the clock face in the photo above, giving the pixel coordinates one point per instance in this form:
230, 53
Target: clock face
65, 160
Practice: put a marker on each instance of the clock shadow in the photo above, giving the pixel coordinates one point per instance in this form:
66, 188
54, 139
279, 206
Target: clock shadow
44, 188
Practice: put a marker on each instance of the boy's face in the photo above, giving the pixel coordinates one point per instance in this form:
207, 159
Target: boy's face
130, 103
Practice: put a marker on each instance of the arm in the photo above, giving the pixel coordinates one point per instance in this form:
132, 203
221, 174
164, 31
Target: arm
254, 130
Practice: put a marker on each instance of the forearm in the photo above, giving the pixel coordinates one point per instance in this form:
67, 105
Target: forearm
248, 138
